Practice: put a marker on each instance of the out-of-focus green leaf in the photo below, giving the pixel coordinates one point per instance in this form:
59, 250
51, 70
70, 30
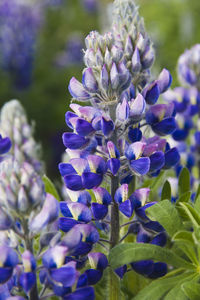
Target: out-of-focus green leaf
50, 187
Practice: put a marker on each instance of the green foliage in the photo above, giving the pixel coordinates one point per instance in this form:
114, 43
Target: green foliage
166, 214
184, 181
166, 191
50, 187
181, 221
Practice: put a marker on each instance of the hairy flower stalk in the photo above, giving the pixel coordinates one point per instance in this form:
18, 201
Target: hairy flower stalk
108, 145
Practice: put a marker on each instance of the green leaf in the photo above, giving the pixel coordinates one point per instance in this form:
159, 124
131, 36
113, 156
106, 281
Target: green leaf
127, 253
50, 187
184, 197
191, 213
197, 203
158, 288
132, 283
184, 181
166, 214
197, 193
191, 290
114, 291
177, 293
183, 235
166, 191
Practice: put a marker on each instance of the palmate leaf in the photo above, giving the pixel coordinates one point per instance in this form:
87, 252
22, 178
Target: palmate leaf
184, 197
197, 203
166, 191
192, 214
50, 187
184, 181
127, 253
166, 214
191, 289
159, 288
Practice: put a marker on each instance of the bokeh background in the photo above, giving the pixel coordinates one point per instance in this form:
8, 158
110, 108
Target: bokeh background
41, 46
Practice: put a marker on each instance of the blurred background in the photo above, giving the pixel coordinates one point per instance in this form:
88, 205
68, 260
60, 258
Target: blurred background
41, 46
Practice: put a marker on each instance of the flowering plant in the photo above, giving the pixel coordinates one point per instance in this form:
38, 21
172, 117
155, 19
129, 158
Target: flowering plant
112, 226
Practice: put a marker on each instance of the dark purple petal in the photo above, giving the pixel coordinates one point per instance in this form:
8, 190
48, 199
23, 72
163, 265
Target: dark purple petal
143, 267
159, 270
172, 157
134, 134
82, 281
73, 182
107, 126
83, 128
65, 210
73, 141
65, 224
81, 294
99, 210
5, 145
91, 180
121, 271
66, 275
140, 166
113, 165
93, 276
141, 210
126, 208
8, 256
160, 239
5, 274
66, 169
166, 126
27, 281
180, 134
82, 249
152, 93
153, 225
157, 161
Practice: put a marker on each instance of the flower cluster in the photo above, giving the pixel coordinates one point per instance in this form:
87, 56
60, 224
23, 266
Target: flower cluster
186, 99
116, 139
17, 39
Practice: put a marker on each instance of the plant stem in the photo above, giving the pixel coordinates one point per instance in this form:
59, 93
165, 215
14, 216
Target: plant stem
115, 226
